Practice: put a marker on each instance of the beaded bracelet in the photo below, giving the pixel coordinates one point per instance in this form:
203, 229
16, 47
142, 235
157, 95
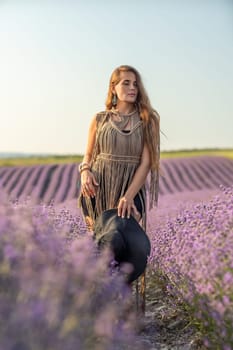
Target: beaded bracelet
84, 168
82, 165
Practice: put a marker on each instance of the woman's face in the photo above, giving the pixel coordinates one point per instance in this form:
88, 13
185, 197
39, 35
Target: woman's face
126, 90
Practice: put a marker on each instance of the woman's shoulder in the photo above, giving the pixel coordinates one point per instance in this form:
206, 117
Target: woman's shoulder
100, 116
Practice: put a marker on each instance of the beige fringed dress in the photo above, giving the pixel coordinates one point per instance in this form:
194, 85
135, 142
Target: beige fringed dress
116, 157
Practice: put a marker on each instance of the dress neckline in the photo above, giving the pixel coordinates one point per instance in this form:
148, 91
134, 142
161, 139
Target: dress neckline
122, 115
121, 121
125, 132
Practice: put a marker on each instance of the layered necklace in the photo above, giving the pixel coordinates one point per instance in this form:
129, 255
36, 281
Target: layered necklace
122, 120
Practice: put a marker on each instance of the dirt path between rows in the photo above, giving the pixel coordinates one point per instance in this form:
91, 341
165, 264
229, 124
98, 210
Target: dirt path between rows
165, 327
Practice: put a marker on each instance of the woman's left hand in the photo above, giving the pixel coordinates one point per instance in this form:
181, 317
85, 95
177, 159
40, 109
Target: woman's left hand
125, 206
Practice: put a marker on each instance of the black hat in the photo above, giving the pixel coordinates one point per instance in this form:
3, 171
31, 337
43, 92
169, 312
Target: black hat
127, 239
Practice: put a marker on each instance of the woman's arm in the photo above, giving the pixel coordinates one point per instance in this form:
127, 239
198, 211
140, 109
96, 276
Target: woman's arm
90, 141
126, 203
88, 181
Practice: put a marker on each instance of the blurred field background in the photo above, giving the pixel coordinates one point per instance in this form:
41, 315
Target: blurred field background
56, 178
59, 159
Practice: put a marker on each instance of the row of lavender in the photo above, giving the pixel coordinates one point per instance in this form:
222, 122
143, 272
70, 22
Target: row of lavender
194, 250
60, 182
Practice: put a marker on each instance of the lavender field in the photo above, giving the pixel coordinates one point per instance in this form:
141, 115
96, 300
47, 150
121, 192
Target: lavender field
191, 233
60, 182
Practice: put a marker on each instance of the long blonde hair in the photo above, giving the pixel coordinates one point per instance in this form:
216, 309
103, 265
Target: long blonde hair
149, 116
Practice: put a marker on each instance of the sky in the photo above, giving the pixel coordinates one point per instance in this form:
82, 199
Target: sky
56, 58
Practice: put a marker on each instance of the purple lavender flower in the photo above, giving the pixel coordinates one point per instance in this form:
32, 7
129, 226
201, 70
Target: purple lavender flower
195, 249
56, 291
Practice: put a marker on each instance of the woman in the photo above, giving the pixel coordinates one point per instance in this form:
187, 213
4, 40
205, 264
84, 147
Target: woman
123, 147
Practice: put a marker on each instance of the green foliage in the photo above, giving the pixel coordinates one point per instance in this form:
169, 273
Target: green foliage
65, 159
26, 161
228, 153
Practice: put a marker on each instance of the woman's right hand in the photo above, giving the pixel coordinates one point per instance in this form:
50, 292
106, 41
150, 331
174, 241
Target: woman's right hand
88, 183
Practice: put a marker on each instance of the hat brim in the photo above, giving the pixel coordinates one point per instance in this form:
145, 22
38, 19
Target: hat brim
128, 241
